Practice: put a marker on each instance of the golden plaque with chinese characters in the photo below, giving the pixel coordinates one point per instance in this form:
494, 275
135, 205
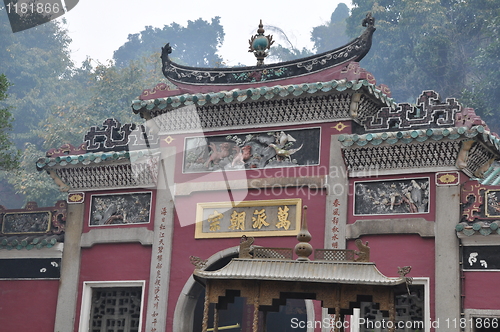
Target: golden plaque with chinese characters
279, 217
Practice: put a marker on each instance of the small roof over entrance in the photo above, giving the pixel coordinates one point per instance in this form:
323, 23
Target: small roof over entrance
335, 278
300, 271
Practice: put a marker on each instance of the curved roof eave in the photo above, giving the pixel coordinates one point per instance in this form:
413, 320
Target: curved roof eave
302, 271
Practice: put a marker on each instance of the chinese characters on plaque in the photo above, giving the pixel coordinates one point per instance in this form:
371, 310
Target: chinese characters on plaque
335, 224
158, 257
279, 217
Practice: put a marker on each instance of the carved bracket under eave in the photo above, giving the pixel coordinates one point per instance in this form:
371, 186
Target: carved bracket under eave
475, 158
463, 154
63, 187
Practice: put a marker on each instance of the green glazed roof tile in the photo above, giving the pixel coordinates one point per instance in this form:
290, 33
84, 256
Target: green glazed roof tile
92, 157
258, 93
420, 135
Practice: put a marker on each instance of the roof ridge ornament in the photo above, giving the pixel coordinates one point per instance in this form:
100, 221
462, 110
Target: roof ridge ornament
368, 21
309, 69
303, 249
259, 44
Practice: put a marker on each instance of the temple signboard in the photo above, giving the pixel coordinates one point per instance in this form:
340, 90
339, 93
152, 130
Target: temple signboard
280, 217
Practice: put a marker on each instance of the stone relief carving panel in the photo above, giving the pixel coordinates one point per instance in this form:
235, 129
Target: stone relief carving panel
120, 209
408, 196
252, 150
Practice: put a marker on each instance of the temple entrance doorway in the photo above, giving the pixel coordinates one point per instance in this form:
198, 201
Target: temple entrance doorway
238, 316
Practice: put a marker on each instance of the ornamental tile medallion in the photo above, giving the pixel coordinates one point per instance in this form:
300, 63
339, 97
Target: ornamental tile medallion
340, 126
120, 209
252, 150
74, 198
447, 178
408, 196
280, 217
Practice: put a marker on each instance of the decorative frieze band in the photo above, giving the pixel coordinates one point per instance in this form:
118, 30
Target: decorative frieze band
429, 112
319, 108
142, 173
402, 156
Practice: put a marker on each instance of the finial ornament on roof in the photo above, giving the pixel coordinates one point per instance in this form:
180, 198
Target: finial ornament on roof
259, 44
369, 20
303, 249
198, 262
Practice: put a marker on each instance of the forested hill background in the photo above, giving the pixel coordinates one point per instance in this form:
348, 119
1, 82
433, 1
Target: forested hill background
450, 46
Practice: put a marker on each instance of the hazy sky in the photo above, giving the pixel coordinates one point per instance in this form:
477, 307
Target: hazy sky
98, 27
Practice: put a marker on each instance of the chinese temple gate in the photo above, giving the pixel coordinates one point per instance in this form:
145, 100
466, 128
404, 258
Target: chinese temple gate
228, 155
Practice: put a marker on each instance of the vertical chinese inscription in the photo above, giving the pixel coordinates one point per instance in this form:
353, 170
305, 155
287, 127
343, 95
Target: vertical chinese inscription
159, 264
335, 224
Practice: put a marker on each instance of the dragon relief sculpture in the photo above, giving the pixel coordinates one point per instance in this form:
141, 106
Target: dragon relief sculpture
246, 247
363, 251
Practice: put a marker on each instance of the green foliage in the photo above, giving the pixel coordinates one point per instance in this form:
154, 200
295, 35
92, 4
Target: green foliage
8, 156
279, 53
483, 93
194, 45
37, 63
444, 45
108, 92
55, 103
102, 92
333, 34
33, 185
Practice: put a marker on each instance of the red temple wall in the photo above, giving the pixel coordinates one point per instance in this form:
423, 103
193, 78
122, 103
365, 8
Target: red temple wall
28, 305
114, 262
480, 290
389, 252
